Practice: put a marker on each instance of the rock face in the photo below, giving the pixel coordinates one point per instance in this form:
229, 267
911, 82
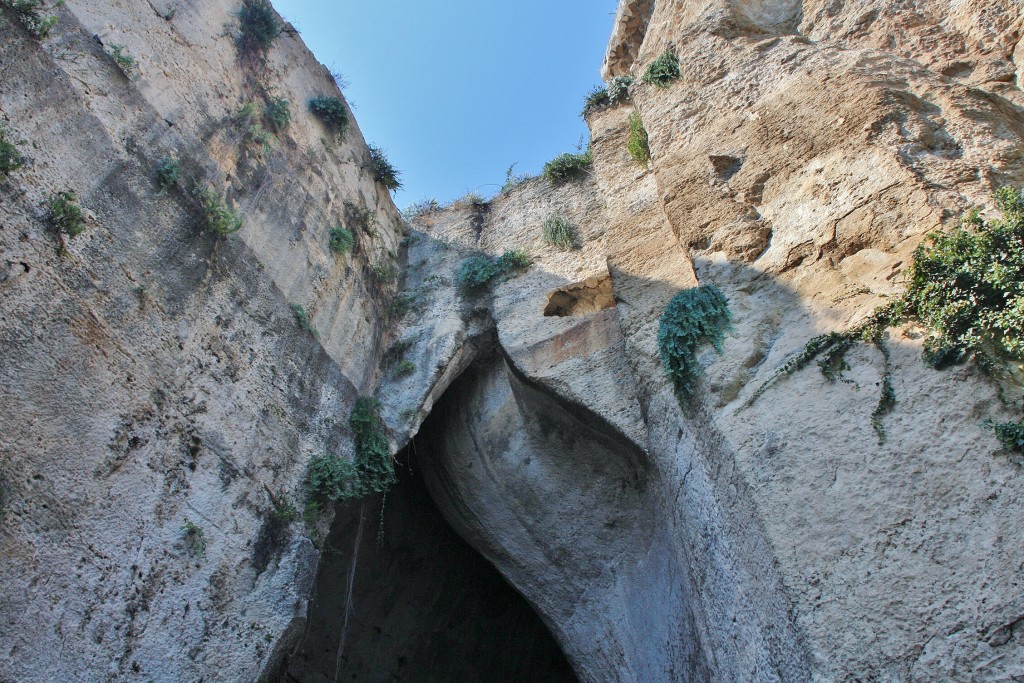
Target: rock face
154, 375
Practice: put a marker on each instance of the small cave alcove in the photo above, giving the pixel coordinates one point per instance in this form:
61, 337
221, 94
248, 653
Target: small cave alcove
401, 597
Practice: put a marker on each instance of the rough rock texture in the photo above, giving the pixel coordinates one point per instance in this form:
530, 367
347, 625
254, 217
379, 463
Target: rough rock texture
798, 161
153, 374
805, 151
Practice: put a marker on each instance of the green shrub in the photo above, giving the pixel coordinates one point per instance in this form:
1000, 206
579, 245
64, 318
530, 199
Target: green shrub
663, 70
195, 538
966, 286
10, 158
65, 214
476, 272
332, 112
218, 217
382, 169
32, 16
695, 316
596, 99
405, 367
168, 172
618, 89
332, 478
124, 61
638, 143
341, 240
471, 199
566, 167
514, 259
302, 318
615, 92
1011, 435
258, 27
278, 113
558, 232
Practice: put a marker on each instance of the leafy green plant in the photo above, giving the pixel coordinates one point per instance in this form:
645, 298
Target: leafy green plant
395, 352
618, 89
638, 144
124, 61
615, 92
1011, 435
168, 172
195, 537
693, 317
341, 240
966, 286
10, 158
472, 199
596, 99
558, 232
663, 70
476, 272
405, 367
258, 27
373, 457
278, 113
382, 169
32, 15
566, 167
832, 347
332, 112
302, 318
65, 214
218, 217
332, 478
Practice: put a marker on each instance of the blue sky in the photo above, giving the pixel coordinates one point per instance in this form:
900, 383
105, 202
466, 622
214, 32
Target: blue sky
455, 91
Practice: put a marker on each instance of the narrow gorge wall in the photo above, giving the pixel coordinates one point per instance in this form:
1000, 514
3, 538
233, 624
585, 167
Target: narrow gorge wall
155, 375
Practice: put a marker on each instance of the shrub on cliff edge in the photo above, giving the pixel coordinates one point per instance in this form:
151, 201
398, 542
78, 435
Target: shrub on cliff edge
566, 167
258, 27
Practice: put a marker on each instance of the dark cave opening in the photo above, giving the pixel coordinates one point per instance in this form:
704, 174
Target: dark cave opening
422, 604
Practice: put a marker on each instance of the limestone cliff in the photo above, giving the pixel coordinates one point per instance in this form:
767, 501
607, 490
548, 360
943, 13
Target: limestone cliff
154, 374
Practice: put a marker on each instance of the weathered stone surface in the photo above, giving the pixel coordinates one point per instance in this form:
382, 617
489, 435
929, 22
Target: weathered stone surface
153, 375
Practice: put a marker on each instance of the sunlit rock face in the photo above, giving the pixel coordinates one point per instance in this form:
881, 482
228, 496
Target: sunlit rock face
157, 381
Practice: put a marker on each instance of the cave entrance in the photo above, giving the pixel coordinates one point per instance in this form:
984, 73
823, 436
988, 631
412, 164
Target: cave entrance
421, 604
